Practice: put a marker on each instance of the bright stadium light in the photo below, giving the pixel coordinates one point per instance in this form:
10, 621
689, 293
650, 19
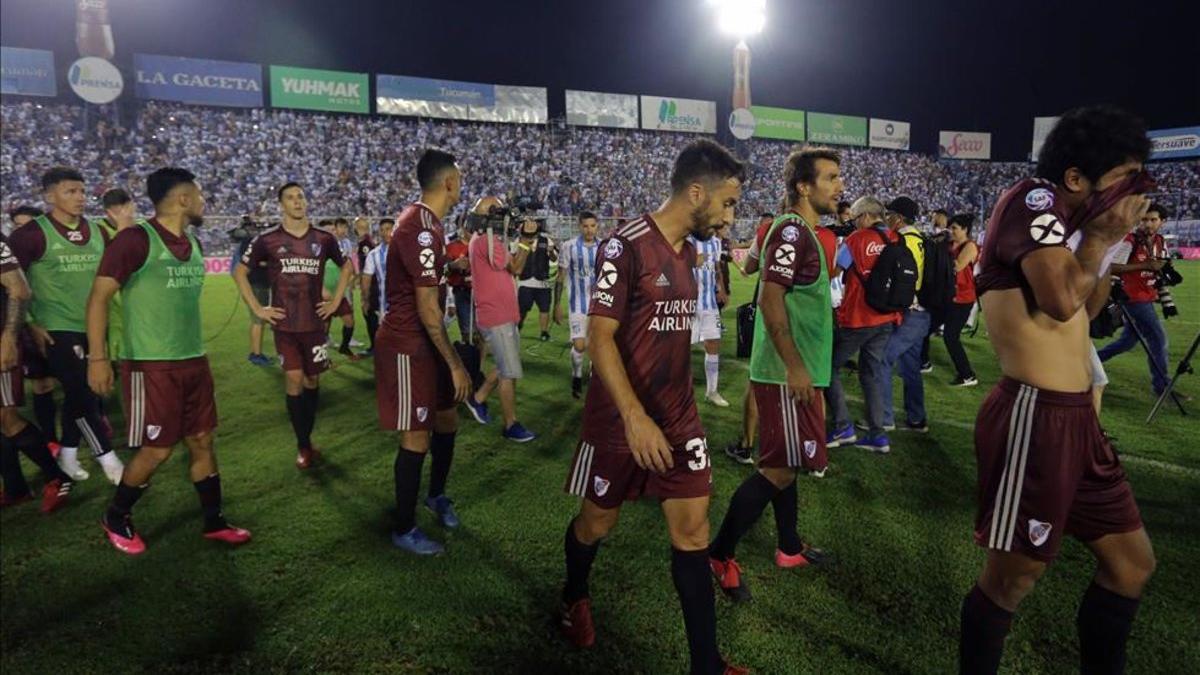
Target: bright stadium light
741, 18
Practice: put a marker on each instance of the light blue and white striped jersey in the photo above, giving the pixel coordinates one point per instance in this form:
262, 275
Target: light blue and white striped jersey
376, 265
577, 262
706, 273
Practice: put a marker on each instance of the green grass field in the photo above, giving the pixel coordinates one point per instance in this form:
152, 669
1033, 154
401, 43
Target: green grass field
321, 588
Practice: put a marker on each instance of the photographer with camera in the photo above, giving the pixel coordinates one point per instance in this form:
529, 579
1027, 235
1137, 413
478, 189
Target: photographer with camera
1144, 255
243, 236
534, 283
495, 299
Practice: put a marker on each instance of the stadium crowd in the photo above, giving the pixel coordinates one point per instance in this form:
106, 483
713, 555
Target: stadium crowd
356, 164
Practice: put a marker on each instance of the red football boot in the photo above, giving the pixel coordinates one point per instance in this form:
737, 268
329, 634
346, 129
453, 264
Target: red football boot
577, 624
306, 457
55, 494
729, 577
230, 535
731, 669
125, 539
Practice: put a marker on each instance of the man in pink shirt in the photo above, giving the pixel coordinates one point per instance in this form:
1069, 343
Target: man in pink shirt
496, 314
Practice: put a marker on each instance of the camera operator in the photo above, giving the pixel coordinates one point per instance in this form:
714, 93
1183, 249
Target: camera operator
243, 235
1142, 256
496, 314
534, 282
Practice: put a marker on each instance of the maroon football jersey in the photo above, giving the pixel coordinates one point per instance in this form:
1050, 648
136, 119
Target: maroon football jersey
294, 266
650, 289
416, 257
1029, 216
8, 263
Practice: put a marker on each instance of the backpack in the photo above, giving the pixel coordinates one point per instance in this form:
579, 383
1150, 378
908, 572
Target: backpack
938, 279
892, 285
745, 328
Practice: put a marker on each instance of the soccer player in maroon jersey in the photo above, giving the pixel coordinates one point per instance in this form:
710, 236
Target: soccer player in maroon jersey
419, 378
1045, 468
295, 255
641, 431
16, 433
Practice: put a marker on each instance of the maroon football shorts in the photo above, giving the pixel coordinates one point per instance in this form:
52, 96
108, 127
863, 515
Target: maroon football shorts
791, 434
302, 351
12, 387
412, 382
167, 401
1046, 470
344, 309
607, 475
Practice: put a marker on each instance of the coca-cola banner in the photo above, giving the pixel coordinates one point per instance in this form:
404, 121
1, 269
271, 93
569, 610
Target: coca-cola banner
964, 145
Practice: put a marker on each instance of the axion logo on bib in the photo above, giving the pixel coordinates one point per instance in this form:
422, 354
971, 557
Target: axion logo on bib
607, 276
786, 254
426, 257
1047, 229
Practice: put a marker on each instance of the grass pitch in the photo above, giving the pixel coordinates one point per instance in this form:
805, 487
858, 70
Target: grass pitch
321, 588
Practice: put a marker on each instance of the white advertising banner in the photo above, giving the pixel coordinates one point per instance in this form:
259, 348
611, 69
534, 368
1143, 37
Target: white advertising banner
1041, 129
964, 145
599, 109
679, 114
889, 134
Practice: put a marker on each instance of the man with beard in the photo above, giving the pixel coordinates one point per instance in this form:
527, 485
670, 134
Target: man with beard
168, 388
641, 431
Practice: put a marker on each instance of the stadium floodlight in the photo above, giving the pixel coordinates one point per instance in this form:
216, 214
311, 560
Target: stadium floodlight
741, 18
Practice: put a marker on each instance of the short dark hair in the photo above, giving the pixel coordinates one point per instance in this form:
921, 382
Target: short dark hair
389, 221
584, 215
801, 167
963, 220
115, 197
25, 210
325, 223
1093, 139
1162, 211
704, 161
59, 174
431, 165
162, 181
843, 205
284, 187
340, 221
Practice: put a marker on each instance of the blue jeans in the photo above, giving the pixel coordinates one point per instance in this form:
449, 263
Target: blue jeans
869, 344
1145, 319
904, 353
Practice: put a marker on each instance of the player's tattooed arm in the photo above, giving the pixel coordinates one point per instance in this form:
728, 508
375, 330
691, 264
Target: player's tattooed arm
18, 300
430, 311
649, 446
100, 376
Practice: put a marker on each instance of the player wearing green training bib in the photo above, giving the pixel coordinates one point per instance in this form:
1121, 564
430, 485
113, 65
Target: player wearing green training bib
59, 253
789, 367
168, 388
330, 278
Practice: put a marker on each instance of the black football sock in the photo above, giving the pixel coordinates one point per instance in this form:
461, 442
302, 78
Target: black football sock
984, 627
122, 503
209, 491
785, 505
30, 442
10, 469
745, 507
347, 333
407, 470
441, 448
46, 411
1104, 621
296, 410
579, 558
689, 571
311, 399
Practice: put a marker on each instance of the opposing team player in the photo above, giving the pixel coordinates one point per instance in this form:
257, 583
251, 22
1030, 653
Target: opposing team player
168, 388
577, 263
418, 376
295, 254
706, 327
641, 431
789, 366
17, 435
1045, 468
60, 252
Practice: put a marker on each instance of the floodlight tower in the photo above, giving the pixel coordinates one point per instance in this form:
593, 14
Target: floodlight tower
741, 18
